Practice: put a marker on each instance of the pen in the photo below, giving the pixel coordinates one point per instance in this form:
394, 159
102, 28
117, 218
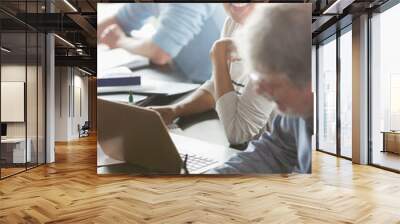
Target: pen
185, 164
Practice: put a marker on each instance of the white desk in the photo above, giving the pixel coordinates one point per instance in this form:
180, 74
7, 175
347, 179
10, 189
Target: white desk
17, 147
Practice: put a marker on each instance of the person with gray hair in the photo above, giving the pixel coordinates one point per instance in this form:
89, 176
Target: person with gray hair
275, 45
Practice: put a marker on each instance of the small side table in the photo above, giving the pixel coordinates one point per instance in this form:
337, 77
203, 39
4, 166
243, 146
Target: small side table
391, 141
13, 150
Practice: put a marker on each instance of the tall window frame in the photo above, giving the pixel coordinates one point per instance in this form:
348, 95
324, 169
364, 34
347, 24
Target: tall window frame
336, 37
372, 55
35, 58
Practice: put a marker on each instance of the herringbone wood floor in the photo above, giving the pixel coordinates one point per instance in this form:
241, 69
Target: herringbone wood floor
69, 191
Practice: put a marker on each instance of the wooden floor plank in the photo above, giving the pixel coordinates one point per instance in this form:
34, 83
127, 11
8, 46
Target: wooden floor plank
69, 191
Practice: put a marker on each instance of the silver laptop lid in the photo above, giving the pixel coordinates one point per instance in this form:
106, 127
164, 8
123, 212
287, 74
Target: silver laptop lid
140, 134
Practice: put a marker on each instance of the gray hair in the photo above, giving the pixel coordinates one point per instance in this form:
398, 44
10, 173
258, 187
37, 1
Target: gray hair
276, 39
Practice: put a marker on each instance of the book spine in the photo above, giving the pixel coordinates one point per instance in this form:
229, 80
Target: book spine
125, 81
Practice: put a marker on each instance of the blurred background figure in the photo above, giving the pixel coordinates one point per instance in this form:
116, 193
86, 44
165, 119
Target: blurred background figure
183, 34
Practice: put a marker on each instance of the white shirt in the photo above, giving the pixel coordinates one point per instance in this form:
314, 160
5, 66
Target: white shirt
242, 112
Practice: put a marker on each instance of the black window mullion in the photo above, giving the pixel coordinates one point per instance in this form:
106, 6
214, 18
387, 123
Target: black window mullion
317, 96
26, 87
0, 99
369, 96
72, 92
37, 90
338, 77
44, 69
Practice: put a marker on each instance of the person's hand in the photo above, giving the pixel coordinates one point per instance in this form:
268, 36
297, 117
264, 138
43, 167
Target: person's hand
223, 51
112, 36
103, 24
168, 113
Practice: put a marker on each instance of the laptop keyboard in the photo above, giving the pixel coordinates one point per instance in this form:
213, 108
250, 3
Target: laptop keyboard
195, 162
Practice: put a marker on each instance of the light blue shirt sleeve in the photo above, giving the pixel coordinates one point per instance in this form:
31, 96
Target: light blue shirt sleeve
132, 16
185, 31
179, 23
273, 152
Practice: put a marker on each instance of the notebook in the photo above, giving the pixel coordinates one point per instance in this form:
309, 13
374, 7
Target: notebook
152, 87
107, 59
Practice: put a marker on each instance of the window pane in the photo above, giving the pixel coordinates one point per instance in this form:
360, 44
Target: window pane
385, 86
15, 150
31, 97
346, 94
327, 96
22, 76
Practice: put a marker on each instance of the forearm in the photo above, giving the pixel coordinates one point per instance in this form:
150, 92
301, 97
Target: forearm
198, 102
222, 79
237, 122
243, 116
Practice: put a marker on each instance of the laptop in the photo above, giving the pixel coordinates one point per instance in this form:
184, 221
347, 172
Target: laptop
139, 137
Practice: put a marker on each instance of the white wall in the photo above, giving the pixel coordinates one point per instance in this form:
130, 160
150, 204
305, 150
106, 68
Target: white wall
83, 83
16, 73
33, 126
70, 83
79, 112
12, 101
61, 103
